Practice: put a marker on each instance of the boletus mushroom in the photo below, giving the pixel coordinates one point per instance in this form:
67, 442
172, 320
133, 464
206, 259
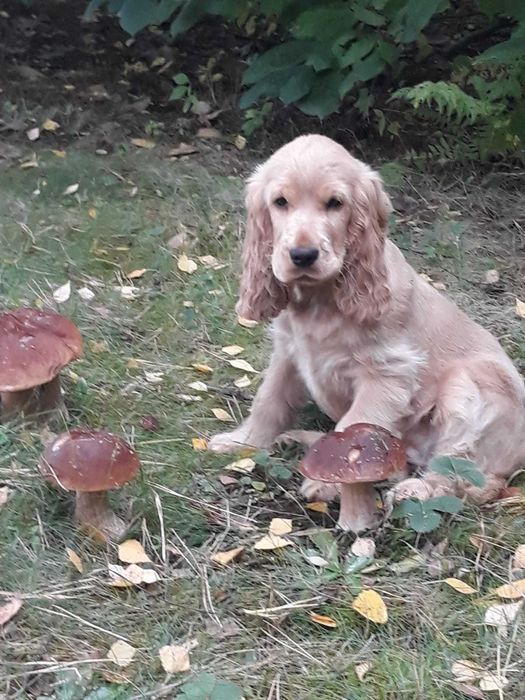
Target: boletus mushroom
91, 463
357, 458
34, 346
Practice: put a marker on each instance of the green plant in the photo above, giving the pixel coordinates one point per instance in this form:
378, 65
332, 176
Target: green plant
183, 92
254, 118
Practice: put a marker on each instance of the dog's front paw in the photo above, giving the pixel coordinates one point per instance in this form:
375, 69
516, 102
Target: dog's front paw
225, 443
420, 489
305, 438
319, 491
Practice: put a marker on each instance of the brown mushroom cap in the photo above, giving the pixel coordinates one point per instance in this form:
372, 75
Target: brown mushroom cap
34, 346
362, 453
88, 460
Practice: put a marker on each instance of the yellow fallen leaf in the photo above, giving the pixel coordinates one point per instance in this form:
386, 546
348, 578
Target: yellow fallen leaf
98, 346
174, 659
232, 349
58, 154
280, 526
243, 466
9, 610
243, 365
242, 382
240, 142
143, 143
186, 265
323, 620
362, 669
512, 591
199, 444
226, 558
460, 586
92, 213
121, 653
518, 560
205, 369
369, 604
520, 308
270, 542
135, 274
246, 322
318, 506
75, 560
50, 125
132, 552
223, 415
198, 386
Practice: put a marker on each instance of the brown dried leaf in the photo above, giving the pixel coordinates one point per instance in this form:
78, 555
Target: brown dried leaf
225, 558
183, 149
460, 586
199, 444
363, 547
121, 653
518, 560
243, 365
232, 350
512, 591
205, 369
243, 466
247, 322
223, 415
318, 506
271, 542
132, 552
243, 382
186, 265
136, 274
280, 526
209, 133
143, 143
323, 620
9, 610
174, 659
75, 560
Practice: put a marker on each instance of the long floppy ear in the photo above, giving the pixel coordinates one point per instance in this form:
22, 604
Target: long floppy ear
362, 287
261, 295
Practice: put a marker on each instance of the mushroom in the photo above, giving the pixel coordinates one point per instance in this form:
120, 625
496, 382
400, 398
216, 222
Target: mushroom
34, 346
91, 462
356, 458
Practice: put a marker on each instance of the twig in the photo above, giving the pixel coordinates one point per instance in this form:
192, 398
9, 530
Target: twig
60, 612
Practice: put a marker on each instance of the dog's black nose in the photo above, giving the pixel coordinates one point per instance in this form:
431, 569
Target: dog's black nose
303, 256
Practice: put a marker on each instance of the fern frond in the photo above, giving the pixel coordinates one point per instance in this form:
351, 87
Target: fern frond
448, 99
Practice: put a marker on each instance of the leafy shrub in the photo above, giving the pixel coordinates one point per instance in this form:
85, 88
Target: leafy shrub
331, 51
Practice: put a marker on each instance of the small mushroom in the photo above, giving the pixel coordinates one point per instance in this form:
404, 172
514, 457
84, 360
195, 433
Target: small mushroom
91, 462
356, 458
34, 346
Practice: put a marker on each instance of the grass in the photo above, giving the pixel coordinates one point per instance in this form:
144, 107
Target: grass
126, 209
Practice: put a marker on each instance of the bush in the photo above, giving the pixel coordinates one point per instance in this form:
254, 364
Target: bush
329, 52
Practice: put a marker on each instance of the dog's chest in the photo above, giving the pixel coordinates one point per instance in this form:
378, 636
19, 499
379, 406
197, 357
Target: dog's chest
325, 358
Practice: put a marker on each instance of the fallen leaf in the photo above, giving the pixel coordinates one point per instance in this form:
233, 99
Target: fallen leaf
465, 670
143, 143
75, 560
243, 382
31, 163
50, 125
228, 480
316, 560
491, 277
154, 377
469, 690
280, 526
404, 566
205, 369
440, 286
513, 590
33, 134
520, 308
198, 386
5, 493
460, 586
61, 294
186, 265
223, 415
210, 261
323, 620
363, 547
492, 682
9, 610
71, 189
362, 669
243, 365
121, 653
98, 346
57, 153
232, 350
246, 322
209, 133
199, 444
176, 241
86, 294
243, 466
174, 659
133, 574
369, 604
150, 576
92, 213
270, 542
503, 614
518, 560
183, 149
135, 274
132, 552
240, 142
318, 506
226, 558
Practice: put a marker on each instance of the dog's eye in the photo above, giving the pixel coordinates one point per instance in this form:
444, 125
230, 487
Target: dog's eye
334, 203
281, 202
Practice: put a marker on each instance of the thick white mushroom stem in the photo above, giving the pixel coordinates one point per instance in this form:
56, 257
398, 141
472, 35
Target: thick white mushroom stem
30, 402
94, 513
358, 510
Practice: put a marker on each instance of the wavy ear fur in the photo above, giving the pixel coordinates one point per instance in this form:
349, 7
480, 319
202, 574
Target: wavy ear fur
261, 295
362, 287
